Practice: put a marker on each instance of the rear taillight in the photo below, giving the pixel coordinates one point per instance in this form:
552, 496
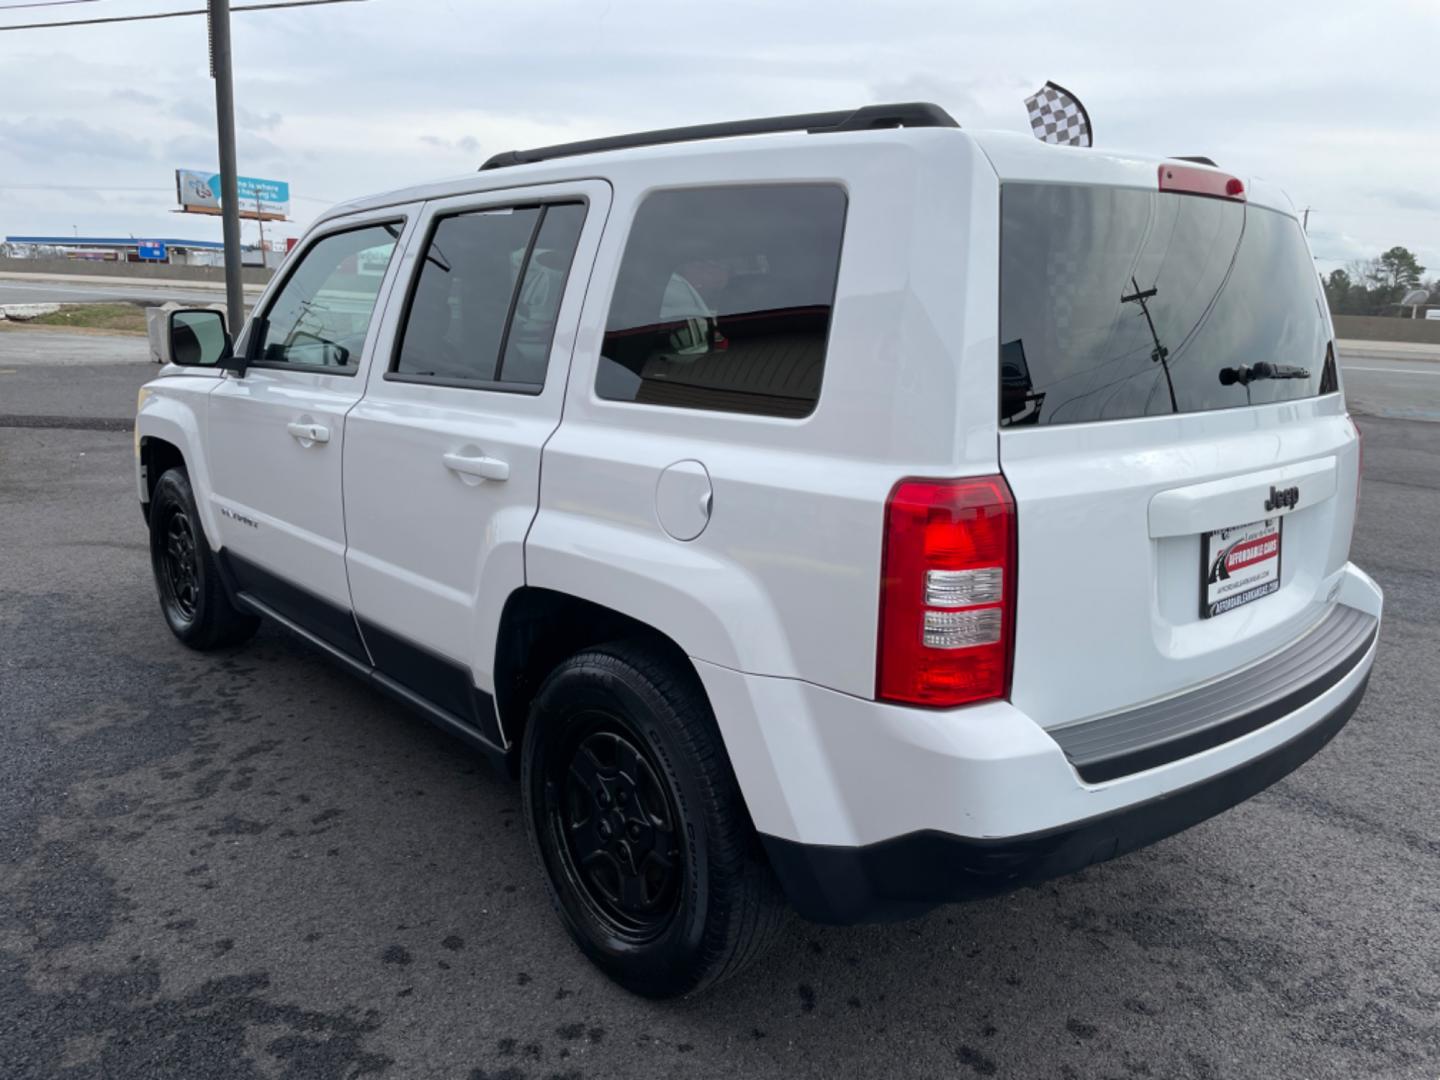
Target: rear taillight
947, 592
1359, 476
1359, 461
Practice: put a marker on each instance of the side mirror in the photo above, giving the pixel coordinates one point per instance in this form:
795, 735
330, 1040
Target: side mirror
198, 338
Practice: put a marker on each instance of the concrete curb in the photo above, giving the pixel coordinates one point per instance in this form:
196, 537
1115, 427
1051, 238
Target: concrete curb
26, 312
157, 284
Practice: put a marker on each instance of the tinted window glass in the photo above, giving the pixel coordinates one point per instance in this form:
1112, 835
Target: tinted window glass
723, 299
527, 346
462, 300
466, 296
322, 312
1116, 303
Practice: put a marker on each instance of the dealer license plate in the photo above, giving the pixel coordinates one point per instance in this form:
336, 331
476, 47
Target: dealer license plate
1239, 565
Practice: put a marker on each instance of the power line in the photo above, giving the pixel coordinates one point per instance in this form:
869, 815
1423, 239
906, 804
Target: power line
77, 187
148, 190
177, 14
1394, 210
45, 3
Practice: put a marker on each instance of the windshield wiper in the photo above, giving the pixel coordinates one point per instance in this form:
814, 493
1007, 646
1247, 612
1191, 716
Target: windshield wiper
1245, 374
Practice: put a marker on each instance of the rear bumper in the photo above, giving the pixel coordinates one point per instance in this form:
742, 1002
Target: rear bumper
908, 875
872, 811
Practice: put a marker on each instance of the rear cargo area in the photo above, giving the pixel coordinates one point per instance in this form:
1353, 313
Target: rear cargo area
1183, 468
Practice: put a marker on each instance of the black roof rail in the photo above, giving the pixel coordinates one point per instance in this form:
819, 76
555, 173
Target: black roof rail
910, 114
1195, 158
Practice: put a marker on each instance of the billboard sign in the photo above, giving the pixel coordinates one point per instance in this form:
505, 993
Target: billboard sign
198, 192
152, 249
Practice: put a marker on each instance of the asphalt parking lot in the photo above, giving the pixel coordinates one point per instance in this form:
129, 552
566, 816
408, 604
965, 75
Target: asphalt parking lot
247, 865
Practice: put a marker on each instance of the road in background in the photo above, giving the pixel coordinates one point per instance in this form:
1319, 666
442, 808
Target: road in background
42, 349
57, 374
65, 289
1386, 380
157, 292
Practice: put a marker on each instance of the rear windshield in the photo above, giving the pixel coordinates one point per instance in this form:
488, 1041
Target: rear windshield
1117, 303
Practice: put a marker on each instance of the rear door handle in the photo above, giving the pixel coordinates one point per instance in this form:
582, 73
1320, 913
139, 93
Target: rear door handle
309, 433
487, 468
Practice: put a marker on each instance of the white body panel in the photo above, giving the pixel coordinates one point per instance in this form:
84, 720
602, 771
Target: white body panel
297, 526
172, 408
1111, 515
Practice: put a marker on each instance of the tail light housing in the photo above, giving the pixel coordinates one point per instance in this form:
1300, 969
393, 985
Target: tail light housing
1359, 462
947, 592
1359, 478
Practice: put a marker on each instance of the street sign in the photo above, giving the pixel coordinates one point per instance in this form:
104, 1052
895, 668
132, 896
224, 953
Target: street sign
153, 249
198, 192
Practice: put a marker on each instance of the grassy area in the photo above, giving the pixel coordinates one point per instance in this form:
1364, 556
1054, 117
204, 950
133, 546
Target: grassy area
119, 318
111, 318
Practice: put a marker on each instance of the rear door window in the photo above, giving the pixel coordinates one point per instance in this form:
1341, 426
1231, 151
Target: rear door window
484, 306
723, 299
1119, 302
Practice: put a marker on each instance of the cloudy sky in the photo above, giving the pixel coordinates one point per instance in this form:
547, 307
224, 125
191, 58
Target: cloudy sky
1333, 100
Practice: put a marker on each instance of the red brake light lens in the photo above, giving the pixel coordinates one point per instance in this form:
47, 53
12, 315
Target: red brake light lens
947, 590
1194, 180
1359, 476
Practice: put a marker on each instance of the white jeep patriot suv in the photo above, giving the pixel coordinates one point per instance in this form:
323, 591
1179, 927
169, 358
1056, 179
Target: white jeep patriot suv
844, 508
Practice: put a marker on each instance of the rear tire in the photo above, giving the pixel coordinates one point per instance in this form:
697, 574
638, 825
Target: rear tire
192, 595
649, 854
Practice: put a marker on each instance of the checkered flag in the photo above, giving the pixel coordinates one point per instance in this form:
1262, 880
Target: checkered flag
1056, 116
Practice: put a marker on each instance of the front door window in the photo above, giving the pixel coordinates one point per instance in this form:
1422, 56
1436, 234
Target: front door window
321, 314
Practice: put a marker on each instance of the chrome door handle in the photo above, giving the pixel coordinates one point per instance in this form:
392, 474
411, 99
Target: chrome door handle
487, 468
309, 433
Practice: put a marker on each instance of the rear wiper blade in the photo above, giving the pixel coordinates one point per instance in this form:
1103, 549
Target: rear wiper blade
1248, 373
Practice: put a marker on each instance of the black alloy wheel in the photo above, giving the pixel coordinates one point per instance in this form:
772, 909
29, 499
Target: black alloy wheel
187, 576
179, 566
649, 854
615, 822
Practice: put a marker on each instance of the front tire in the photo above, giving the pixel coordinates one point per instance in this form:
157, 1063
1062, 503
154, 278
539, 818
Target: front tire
192, 595
634, 812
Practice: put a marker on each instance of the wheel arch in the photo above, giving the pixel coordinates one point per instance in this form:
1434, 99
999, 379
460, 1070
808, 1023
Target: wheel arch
168, 433
540, 628
158, 455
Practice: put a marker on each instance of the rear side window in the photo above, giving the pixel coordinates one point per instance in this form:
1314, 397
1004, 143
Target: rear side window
723, 299
484, 306
1119, 302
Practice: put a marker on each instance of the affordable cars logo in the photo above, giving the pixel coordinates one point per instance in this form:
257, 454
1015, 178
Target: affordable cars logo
1246, 553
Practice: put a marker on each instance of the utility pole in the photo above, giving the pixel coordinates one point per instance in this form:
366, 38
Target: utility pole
218, 17
260, 220
1161, 354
